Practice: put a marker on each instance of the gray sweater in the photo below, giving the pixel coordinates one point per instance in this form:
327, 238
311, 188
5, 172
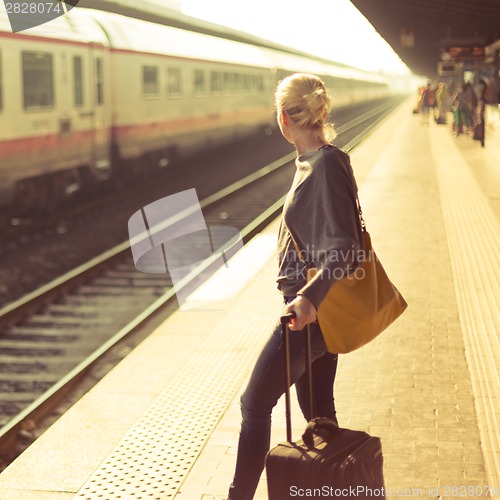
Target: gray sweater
321, 213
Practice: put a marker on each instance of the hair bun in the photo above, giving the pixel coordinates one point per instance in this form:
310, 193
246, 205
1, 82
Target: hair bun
316, 96
305, 99
316, 104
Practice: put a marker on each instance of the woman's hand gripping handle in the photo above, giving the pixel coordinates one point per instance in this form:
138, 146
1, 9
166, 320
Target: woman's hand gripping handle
304, 310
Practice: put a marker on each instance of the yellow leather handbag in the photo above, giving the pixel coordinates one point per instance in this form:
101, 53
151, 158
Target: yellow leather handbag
360, 306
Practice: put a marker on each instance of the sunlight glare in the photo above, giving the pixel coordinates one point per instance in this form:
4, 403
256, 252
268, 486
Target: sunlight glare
333, 29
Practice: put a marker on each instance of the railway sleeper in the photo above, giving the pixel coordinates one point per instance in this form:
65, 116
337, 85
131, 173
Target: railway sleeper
19, 387
39, 338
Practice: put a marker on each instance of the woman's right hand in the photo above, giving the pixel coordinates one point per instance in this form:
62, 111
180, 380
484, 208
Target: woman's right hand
304, 310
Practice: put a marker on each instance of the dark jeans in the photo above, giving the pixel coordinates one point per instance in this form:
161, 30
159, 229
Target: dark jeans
266, 386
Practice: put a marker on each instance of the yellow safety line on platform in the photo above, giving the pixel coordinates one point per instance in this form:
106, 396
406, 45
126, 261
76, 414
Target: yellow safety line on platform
473, 234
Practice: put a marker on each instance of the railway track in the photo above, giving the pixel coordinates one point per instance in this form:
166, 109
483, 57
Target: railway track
51, 338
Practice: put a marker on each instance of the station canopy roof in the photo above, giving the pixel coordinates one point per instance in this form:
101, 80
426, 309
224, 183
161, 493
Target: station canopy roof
416, 29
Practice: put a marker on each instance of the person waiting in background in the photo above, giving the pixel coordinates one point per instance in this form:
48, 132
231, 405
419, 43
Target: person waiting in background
426, 103
418, 105
443, 103
483, 99
459, 111
471, 105
432, 99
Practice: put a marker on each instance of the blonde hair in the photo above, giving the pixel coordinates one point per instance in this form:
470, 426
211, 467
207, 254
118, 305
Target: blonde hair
304, 99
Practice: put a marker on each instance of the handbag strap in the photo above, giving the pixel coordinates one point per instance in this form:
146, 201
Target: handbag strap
360, 212
361, 220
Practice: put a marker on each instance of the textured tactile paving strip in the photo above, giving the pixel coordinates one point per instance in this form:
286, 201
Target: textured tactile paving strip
473, 234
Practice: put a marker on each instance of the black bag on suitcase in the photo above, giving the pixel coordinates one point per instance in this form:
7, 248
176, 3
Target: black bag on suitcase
328, 461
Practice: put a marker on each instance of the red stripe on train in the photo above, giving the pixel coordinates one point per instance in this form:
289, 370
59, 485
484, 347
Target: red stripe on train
15, 147
169, 128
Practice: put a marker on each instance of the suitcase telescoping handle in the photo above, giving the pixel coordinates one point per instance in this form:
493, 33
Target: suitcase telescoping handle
285, 319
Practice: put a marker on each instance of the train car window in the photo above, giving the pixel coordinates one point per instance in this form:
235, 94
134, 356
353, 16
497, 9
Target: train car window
215, 82
199, 82
238, 82
281, 74
38, 80
253, 84
340, 83
99, 81
78, 81
227, 83
150, 85
174, 82
248, 84
260, 84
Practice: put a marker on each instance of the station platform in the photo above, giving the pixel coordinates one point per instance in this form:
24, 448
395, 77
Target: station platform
165, 422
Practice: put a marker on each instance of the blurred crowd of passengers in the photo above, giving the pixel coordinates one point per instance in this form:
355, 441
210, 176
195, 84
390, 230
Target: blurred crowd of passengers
464, 103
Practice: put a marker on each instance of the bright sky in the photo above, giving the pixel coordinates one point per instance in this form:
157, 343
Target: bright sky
333, 29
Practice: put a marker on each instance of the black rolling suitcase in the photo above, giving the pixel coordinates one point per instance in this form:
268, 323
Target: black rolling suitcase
328, 461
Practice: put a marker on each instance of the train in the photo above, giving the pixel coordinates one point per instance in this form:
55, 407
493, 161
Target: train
93, 97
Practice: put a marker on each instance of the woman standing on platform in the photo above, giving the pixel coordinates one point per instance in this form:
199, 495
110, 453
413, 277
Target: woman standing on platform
321, 215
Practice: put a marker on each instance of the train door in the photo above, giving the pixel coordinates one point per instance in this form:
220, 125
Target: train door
99, 112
